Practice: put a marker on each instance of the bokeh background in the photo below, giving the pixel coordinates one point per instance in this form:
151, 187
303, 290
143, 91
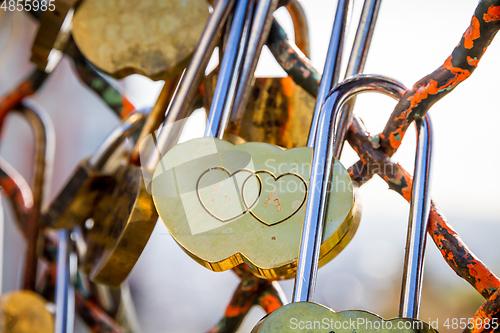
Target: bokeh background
172, 293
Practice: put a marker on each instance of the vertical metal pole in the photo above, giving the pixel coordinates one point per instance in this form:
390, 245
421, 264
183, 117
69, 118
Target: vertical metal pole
411, 289
63, 318
229, 72
331, 71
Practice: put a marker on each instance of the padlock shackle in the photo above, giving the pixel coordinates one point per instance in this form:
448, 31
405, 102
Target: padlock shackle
328, 143
114, 139
259, 32
411, 288
189, 83
44, 136
64, 319
331, 70
230, 69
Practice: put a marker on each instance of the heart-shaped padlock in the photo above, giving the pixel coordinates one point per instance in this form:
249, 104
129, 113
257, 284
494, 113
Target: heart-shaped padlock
155, 38
230, 204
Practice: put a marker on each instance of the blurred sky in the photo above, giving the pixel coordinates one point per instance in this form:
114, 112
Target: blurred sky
412, 38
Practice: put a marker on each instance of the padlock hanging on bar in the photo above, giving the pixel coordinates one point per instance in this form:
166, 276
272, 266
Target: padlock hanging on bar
327, 146
222, 236
411, 289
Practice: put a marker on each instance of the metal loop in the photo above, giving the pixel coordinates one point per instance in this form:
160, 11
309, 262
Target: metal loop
328, 143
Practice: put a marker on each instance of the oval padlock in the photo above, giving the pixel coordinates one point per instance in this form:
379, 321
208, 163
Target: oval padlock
230, 204
154, 38
304, 314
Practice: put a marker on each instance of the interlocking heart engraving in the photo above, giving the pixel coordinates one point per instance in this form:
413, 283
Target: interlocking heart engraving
228, 204
296, 205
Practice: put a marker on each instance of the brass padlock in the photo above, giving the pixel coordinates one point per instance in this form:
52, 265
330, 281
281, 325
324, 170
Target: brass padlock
124, 218
219, 200
91, 179
154, 38
302, 314
129, 225
24, 312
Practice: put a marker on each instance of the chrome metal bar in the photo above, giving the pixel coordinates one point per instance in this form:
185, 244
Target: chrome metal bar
188, 86
229, 70
258, 35
63, 290
363, 38
358, 56
411, 289
325, 148
331, 71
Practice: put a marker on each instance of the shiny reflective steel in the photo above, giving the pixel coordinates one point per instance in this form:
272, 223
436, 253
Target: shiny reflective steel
411, 289
189, 83
331, 71
326, 147
261, 25
363, 38
64, 298
359, 53
229, 71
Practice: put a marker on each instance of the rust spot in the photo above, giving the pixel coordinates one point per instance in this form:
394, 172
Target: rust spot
493, 14
472, 61
270, 303
471, 33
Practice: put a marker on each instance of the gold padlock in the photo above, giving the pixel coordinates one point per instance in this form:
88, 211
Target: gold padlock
226, 204
125, 217
154, 38
25, 312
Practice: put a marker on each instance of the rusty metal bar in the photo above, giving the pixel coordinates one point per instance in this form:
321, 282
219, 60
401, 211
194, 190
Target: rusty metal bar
457, 68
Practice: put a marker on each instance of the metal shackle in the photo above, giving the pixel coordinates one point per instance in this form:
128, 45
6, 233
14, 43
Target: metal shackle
44, 136
411, 288
122, 131
333, 62
328, 144
188, 86
230, 70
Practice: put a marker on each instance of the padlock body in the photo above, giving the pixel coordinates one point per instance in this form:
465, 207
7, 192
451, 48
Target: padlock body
155, 38
77, 200
207, 193
124, 223
315, 318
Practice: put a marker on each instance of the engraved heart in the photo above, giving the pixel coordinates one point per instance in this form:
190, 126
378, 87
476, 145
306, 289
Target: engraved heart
222, 197
279, 199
